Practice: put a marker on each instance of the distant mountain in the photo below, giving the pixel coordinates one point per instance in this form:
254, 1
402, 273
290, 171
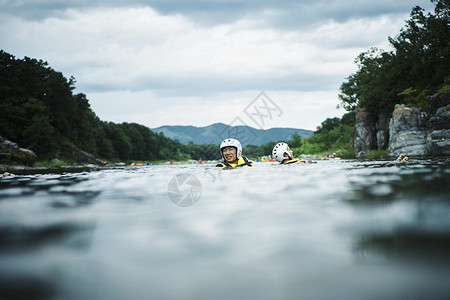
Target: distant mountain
215, 133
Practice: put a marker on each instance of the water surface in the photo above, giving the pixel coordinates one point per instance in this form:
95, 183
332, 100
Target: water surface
330, 230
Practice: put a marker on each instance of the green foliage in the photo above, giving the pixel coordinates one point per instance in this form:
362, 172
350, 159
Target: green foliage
332, 135
309, 146
54, 163
414, 98
295, 141
345, 153
38, 135
415, 69
446, 87
377, 154
261, 150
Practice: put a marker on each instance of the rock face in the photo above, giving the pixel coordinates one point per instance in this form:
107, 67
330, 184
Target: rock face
371, 131
11, 153
438, 139
382, 131
408, 131
412, 131
365, 132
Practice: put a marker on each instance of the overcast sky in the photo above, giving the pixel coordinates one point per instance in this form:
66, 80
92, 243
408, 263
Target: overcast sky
175, 62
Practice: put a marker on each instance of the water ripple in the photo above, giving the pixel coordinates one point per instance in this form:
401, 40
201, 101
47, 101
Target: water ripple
266, 232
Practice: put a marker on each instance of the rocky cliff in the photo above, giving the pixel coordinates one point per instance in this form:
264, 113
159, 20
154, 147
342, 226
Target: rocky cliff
371, 131
414, 131
438, 137
408, 131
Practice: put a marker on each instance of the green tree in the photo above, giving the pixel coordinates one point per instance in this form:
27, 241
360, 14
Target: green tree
38, 135
295, 141
120, 142
415, 69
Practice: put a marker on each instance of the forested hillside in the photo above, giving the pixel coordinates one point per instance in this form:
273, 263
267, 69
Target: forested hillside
212, 134
39, 111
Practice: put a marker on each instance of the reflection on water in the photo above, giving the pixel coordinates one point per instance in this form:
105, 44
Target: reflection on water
331, 230
407, 245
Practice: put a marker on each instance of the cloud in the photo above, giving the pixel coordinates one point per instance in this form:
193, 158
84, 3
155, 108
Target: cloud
140, 49
291, 14
300, 109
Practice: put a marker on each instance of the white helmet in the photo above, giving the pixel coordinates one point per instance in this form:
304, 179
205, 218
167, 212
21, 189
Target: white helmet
279, 150
231, 143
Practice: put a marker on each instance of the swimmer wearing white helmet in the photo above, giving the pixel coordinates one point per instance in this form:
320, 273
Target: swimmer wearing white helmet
283, 154
231, 151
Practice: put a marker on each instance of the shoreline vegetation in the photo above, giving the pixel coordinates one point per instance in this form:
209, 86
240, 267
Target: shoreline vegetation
58, 128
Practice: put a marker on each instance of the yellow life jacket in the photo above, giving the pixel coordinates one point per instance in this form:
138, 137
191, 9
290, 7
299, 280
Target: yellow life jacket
242, 162
290, 161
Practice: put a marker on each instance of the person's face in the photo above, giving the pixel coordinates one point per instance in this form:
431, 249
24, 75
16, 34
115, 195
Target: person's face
229, 154
291, 153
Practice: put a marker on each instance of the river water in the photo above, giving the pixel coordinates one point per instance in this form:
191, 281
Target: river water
331, 230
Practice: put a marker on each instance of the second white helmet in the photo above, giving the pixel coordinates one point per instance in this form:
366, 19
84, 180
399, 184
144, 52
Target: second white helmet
279, 150
231, 143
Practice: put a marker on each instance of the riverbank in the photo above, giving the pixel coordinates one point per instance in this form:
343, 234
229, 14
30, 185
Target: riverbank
26, 170
61, 166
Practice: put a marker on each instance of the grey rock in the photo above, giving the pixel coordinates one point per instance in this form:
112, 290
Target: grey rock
365, 132
408, 132
7, 144
412, 131
437, 101
11, 153
382, 131
441, 120
85, 157
26, 151
438, 139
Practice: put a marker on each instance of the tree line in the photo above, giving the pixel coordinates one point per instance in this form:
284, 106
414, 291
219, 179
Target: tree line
40, 112
332, 135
